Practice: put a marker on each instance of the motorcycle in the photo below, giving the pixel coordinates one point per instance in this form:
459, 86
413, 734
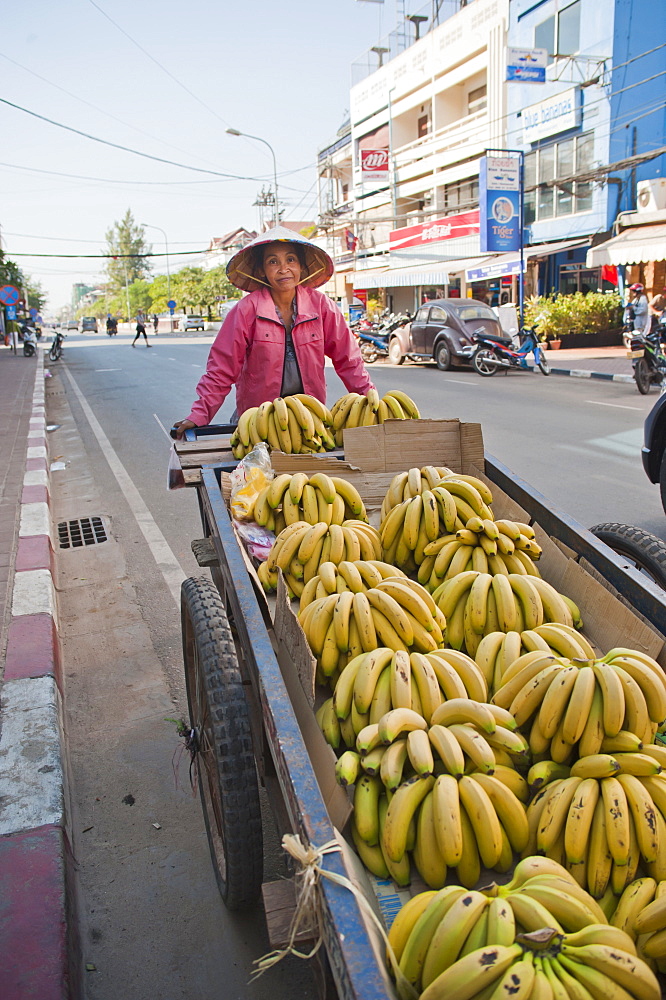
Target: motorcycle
374, 343
29, 341
56, 345
494, 353
648, 361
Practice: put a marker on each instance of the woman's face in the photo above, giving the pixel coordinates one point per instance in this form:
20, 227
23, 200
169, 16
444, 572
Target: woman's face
282, 267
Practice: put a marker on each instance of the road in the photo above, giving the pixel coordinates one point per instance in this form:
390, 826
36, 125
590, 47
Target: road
152, 924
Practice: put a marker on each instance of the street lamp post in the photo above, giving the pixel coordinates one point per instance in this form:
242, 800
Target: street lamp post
235, 131
166, 244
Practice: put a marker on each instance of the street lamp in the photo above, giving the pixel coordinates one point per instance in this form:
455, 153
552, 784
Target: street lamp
166, 244
235, 131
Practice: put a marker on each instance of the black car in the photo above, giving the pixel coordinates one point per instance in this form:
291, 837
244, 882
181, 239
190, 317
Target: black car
654, 447
442, 332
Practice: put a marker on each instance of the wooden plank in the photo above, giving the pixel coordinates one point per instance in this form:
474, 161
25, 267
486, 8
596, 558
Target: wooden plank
280, 906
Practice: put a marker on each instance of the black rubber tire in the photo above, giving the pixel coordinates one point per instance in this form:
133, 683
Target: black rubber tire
55, 352
225, 761
644, 550
443, 356
28, 351
543, 365
396, 357
482, 363
369, 353
662, 480
642, 376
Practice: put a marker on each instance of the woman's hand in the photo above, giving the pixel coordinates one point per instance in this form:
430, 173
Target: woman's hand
181, 426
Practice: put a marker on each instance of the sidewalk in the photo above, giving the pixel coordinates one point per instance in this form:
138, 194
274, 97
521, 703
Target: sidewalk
609, 363
38, 953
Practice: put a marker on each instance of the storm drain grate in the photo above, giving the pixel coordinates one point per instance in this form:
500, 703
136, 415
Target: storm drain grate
84, 531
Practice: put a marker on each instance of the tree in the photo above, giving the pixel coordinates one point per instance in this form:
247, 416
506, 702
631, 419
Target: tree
216, 288
36, 294
123, 239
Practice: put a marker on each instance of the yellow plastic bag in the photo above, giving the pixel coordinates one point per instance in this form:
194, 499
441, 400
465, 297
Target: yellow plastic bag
248, 479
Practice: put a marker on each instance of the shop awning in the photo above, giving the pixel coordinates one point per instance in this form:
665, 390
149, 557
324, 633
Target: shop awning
635, 245
405, 277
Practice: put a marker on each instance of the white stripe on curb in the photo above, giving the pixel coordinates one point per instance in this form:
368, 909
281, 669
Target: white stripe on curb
35, 519
31, 774
39, 452
36, 477
34, 593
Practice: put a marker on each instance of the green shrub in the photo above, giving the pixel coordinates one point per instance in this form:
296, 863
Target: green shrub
559, 315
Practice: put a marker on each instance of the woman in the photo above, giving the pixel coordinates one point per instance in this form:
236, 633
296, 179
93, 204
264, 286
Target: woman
274, 340
636, 314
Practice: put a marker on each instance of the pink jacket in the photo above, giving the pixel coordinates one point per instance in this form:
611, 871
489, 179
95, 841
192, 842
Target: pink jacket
249, 352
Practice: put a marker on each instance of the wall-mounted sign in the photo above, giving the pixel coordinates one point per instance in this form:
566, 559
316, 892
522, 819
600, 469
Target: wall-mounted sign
499, 200
374, 164
448, 228
526, 65
496, 270
551, 116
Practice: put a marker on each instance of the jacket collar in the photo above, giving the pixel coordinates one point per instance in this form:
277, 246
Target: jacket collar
305, 308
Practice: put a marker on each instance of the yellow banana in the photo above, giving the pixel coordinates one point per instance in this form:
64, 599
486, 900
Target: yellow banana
617, 819
407, 404
464, 710
393, 763
506, 605
402, 807
510, 811
425, 853
397, 721
469, 976
643, 813
449, 938
484, 820
579, 705
475, 746
351, 497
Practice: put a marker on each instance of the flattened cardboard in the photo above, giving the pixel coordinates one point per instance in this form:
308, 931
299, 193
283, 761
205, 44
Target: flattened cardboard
291, 638
402, 444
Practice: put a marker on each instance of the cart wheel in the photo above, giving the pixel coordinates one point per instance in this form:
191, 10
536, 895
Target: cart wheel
647, 552
223, 744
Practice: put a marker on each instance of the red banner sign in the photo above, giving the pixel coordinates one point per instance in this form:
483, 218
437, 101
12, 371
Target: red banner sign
448, 228
374, 164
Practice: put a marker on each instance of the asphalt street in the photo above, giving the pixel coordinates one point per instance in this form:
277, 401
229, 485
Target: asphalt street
152, 922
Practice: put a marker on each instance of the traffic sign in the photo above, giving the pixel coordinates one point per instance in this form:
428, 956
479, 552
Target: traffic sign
171, 304
9, 295
11, 312
34, 312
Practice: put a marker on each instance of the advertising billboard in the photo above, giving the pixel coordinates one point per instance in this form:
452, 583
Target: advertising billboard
374, 165
499, 203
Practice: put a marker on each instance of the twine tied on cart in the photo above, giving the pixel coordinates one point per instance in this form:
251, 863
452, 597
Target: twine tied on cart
308, 915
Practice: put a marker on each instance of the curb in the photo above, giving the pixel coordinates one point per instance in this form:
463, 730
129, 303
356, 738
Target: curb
579, 373
37, 910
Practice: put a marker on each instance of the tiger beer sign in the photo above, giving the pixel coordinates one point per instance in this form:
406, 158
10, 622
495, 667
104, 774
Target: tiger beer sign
374, 165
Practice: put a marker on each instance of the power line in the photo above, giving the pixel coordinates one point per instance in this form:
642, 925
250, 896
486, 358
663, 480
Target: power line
150, 56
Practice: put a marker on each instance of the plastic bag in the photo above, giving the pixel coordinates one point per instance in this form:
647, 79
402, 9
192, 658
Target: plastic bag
248, 480
257, 540
175, 477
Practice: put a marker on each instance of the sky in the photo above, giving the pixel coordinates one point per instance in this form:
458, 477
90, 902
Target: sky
279, 70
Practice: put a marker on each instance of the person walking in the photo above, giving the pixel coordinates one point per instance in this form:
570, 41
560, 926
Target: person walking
140, 329
275, 340
155, 322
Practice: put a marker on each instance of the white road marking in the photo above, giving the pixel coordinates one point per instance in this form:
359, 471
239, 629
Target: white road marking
108, 369
461, 382
166, 561
163, 427
196, 366
171, 359
618, 406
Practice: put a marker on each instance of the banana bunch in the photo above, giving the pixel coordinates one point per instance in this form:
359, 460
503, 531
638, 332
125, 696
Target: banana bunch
416, 528
498, 650
461, 945
296, 425
641, 913
356, 576
407, 485
355, 410
480, 544
544, 893
288, 499
396, 614
477, 604
572, 707
607, 829
301, 548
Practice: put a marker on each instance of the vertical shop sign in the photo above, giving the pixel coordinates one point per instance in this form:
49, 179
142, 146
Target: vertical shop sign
499, 203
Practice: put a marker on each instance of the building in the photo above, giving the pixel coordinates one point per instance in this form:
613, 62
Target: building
399, 184
222, 248
590, 132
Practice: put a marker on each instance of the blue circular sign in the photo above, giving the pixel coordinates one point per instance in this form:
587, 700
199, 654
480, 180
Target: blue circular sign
171, 304
9, 295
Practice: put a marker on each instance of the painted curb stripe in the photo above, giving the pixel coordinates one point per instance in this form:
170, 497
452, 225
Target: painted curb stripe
32, 649
34, 593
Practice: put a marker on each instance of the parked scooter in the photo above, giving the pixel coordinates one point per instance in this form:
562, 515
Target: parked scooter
495, 353
374, 342
648, 361
56, 345
29, 340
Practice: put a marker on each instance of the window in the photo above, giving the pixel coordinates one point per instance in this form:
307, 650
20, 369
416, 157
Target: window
560, 33
437, 313
477, 100
422, 315
422, 126
476, 312
461, 196
544, 200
